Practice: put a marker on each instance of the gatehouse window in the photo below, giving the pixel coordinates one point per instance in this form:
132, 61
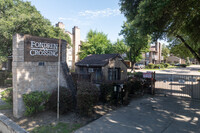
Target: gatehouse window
114, 74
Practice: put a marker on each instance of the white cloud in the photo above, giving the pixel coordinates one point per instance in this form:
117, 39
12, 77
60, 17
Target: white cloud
75, 21
100, 13
68, 19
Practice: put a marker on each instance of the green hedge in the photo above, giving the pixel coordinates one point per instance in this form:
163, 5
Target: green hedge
66, 100
133, 86
87, 97
107, 93
35, 101
7, 95
183, 65
166, 65
138, 74
150, 66
157, 66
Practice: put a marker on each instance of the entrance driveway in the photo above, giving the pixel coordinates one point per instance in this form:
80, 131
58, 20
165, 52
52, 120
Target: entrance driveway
190, 70
157, 114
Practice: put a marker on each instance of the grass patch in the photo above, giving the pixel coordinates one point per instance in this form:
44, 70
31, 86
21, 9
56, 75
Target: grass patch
5, 106
169, 67
172, 66
199, 70
156, 69
58, 128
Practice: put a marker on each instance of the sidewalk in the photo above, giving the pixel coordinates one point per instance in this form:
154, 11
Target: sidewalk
150, 115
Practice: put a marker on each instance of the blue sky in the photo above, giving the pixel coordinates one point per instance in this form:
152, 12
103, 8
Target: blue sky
101, 15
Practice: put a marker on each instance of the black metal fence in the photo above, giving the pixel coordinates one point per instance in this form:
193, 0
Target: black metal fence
178, 85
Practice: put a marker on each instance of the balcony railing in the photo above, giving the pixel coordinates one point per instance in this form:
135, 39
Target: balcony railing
155, 57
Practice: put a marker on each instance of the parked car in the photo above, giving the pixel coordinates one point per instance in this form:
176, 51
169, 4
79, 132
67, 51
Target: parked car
177, 64
139, 66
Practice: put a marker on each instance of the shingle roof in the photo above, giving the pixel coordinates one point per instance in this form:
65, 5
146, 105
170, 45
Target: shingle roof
97, 60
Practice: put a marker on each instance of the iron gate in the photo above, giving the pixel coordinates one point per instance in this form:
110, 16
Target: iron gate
178, 85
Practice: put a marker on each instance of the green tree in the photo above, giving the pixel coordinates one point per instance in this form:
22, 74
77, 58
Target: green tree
96, 43
17, 16
181, 51
119, 47
160, 19
165, 52
136, 43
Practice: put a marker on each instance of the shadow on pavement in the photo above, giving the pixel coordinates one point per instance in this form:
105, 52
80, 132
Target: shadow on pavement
150, 114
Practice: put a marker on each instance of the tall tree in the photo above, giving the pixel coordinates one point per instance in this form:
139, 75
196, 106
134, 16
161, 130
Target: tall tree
165, 52
137, 44
160, 19
119, 47
17, 16
96, 43
181, 51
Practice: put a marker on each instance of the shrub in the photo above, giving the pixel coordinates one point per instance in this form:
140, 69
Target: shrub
166, 65
162, 66
66, 100
182, 65
108, 95
7, 95
138, 74
87, 97
107, 92
156, 66
9, 75
8, 81
133, 86
150, 66
35, 101
129, 73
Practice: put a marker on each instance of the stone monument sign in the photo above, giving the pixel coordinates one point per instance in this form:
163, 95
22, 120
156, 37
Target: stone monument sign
40, 49
35, 67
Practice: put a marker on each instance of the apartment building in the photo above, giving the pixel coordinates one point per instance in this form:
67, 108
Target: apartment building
72, 51
154, 55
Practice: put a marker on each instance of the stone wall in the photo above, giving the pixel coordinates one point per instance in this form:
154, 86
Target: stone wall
32, 76
8, 126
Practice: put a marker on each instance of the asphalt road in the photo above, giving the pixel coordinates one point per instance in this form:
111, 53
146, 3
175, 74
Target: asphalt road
191, 70
150, 115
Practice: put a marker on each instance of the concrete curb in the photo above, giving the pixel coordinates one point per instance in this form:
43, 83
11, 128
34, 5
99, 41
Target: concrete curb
8, 126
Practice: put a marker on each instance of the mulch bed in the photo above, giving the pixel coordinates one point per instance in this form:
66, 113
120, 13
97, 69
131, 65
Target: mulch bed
50, 117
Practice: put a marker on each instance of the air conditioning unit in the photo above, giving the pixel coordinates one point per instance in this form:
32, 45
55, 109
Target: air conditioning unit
90, 70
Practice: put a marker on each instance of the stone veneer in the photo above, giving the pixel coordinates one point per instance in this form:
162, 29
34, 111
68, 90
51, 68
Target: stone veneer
29, 76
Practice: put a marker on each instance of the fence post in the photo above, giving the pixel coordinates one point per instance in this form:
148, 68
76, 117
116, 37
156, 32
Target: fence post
192, 87
171, 84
